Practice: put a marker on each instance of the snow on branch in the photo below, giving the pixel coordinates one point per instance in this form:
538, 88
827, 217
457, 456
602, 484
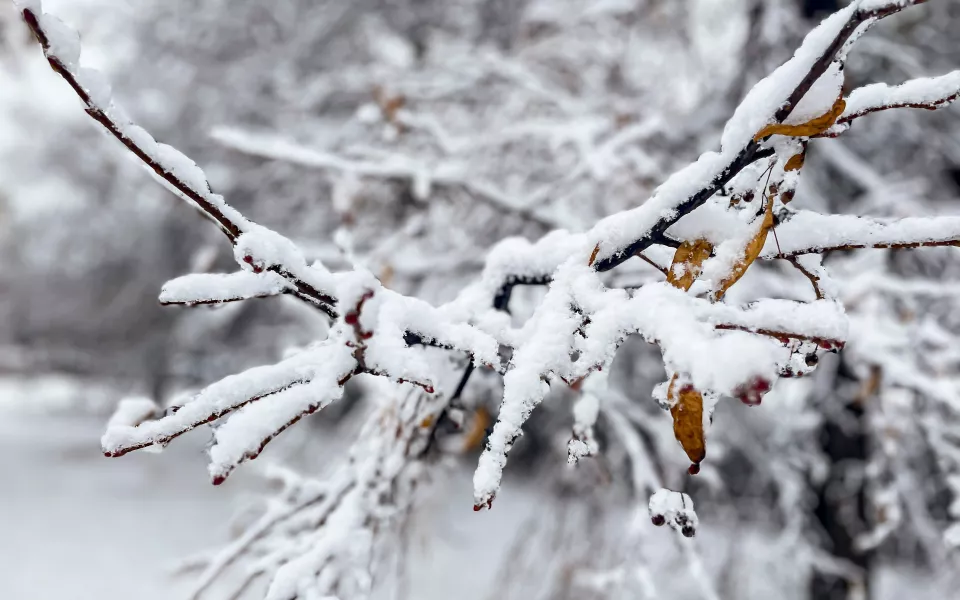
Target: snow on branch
217, 288
226, 396
927, 93
807, 232
806, 86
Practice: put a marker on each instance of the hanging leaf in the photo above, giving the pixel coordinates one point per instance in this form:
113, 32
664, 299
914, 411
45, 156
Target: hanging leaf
687, 262
687, 413
811, 128
750, 253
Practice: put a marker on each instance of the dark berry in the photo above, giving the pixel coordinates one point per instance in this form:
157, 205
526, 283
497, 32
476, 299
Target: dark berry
811, 359
688, 531
694, 469
658, 520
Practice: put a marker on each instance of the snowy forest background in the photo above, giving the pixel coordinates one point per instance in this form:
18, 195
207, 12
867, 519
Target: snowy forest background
410, 136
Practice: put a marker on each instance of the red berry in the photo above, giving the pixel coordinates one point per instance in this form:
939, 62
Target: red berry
351, 318
751, 393
428, 389
694, 469
248, 259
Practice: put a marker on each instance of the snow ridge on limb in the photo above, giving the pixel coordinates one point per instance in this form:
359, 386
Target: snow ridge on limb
928, 93
808, 232
217, 288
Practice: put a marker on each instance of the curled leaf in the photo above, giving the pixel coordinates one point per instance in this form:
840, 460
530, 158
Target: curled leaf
687, 262
750, 252
687, 413
811, 128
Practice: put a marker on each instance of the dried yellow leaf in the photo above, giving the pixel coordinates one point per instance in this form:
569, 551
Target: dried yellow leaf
811, 128
687, 262
795, 163
687, 413
750, 253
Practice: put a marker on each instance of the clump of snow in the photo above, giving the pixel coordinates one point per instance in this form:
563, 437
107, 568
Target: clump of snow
585, 413
63, 40
130, 412
207, 288
820, 97
767, 96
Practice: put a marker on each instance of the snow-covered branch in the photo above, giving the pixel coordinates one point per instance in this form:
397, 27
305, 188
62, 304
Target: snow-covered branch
926, 93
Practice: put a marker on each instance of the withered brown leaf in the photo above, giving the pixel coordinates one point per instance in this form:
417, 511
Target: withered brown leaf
811, 128
689, 256
750, 252
795, 163
687, 413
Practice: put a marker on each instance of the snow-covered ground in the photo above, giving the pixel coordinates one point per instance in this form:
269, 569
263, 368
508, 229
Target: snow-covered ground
77, 526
